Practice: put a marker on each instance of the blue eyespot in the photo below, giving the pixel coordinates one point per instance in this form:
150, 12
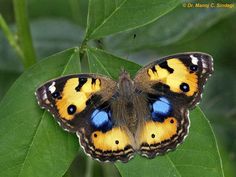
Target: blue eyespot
160, 109
101, 120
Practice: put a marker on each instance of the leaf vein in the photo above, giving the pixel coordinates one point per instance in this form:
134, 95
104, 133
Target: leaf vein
101, 64
31, 144
173, 165
108, 17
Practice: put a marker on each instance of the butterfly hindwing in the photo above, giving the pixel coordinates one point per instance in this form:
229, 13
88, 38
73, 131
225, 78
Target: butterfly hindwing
107, 146
172, 85
165, 127
103, 137
81, 103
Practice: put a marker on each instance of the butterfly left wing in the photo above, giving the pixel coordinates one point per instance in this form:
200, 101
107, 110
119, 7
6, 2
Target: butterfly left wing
172, 86
81, 103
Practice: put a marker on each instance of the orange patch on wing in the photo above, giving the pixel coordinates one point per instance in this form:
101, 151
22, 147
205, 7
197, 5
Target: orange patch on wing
180, 75
78, 98
156, 132
114, 139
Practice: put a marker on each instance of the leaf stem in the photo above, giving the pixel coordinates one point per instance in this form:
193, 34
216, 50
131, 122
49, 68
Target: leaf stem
83, 57
23, 32
10, 37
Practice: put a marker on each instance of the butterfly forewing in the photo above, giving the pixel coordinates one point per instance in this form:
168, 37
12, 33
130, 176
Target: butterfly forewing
181, 76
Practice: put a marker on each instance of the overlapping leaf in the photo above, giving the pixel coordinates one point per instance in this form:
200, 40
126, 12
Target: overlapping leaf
107, 17
179, 25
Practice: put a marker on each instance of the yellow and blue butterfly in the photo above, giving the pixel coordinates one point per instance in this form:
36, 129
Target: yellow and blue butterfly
147, 114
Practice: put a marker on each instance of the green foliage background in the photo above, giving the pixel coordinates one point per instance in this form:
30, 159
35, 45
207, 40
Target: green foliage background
161, 28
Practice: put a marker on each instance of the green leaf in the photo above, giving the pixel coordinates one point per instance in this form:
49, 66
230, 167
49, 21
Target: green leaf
55, 39
107, 17
32, 143
179, 25
108, 64
6, 80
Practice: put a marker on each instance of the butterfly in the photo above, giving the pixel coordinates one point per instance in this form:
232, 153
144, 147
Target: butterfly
147, 114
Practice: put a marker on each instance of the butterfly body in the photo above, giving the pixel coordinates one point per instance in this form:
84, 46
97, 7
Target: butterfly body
147, 114
127, 106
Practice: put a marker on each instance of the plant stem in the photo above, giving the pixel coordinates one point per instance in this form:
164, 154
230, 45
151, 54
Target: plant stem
23, 31
10, 37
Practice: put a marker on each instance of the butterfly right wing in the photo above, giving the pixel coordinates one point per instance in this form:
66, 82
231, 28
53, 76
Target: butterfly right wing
172, 86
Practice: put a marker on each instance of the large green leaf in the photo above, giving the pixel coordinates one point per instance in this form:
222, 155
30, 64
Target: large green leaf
180, 25
6, 79
32, 144
107, 17
108, 64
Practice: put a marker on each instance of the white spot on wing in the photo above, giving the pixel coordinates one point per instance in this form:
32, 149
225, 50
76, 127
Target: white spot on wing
44, 95
204, 65
194, 59
52, 87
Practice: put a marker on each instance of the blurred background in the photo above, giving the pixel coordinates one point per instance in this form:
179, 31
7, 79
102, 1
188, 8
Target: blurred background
59, 24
